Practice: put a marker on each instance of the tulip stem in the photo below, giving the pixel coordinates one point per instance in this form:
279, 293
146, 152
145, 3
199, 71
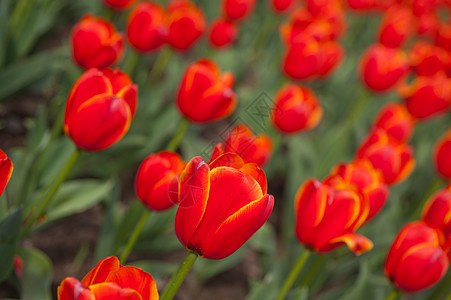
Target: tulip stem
51, 192
175, 141
293, 274
177, 279
134, 237
160, 64
395, 294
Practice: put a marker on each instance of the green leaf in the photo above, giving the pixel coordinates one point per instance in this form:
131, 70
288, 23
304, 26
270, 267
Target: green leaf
9, 237
37, 275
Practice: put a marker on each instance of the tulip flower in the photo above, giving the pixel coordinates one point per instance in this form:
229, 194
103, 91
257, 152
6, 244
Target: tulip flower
396, 120
119, 4
223, 33
428, 96
428, 24
213, 219
443, 36
109, 280
96, 43
361, 175
205, 94
396, 26
280, 6
416, 259
442, 157
237, 9
146, 28
298, 109
156, 182
327, 217
99, 109
382, 67
437, 211
427, 59
6, 169
393, 158
251, 148
186, 24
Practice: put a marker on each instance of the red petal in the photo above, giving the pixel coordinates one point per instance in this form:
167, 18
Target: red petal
110, 291
72, 289
231, 160
356, 243
257, 173
135, 279
101, 271
6, 169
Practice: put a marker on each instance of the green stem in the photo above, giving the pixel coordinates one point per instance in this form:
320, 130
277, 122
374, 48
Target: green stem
177, 279
51, 192
131, 61
394, 294
134, 237
175, 141
160, 64
293, 275
434, 186
312, 272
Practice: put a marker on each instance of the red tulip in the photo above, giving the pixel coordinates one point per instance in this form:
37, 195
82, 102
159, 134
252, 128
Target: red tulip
394, 159
6, 169
251, 148
237, 9
96, 43
428, 96
156, 182
428, 24
223, 33
416, 259
442, 156
327, 217
297, 109
361, 175
110, 281
186, 24
443, 36
396, 120
146, 28
382, 67
396, 26
437, 211
280, 6
213, 219
18, 266
205, 94
119, 4
99, 109
427, 59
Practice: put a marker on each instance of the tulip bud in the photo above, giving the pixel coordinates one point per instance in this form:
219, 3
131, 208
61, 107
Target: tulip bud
327, 217
96, 43
280, 6
427, 59
396, 26
205, 94
146, 27
99, 109
186, 24
6, 169
382, 67
119, 4
156, 182
437, 211
396, 120
394, 159
297, 109
110, 280
238, 9
223, 33
442, 156
416, 259
251, 148
213, 219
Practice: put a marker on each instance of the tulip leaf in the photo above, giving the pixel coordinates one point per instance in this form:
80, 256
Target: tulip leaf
37, 275
9, 238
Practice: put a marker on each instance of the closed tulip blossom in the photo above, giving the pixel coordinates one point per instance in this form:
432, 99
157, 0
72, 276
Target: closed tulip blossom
396, 26
237, 9
6, 169
393, 158
205, 94
96, 43
396, 120
213, 219
427, 59
146, 28
417, 259
251, 148
223, 33
382, 67
437, 211
296, 109
186, 23
442, 157
119, 4
156, 182
327, 217
110, 281
100, 108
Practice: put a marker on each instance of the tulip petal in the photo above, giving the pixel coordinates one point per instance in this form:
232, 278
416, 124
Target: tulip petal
135, 279
228, 159
6, 169
257, 173
110, 291
356, 243
72, 289
101, 271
